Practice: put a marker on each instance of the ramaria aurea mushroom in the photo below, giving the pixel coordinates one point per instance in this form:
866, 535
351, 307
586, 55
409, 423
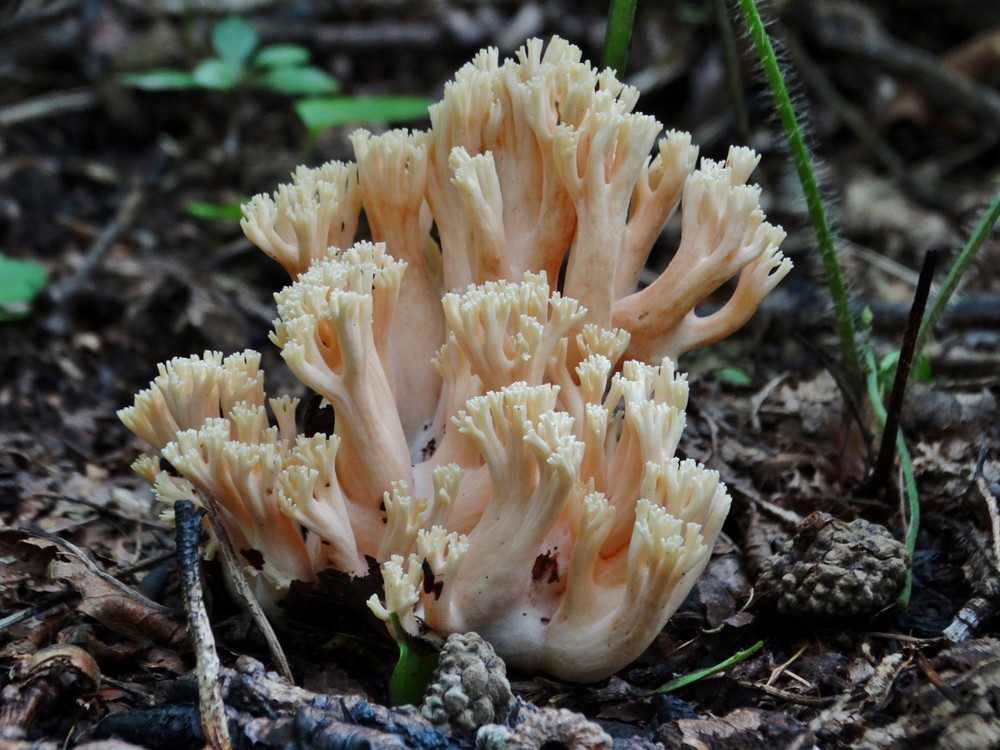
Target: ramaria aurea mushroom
505, 450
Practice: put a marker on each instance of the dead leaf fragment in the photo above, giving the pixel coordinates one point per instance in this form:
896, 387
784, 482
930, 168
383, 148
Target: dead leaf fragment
744, 727
118, 606
111, 602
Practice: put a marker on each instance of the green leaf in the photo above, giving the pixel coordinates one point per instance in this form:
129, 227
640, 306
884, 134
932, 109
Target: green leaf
20, 283
305, 81
887, 367
887, 371
204, 210
320, 114
233, 40
159, 80
281, 56
701, 674
733, 376
216, 74
414, 670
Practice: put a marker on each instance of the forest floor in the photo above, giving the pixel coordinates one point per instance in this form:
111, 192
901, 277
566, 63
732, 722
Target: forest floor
96, 183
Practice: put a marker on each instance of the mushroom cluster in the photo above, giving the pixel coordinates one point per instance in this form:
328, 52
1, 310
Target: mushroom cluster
504, 449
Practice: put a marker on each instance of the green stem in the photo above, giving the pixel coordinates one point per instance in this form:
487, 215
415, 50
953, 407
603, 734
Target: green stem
803, 164
950, 283
913, 500
414, 670
618, 36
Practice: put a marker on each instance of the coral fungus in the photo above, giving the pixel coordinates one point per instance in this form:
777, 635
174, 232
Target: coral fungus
503, 449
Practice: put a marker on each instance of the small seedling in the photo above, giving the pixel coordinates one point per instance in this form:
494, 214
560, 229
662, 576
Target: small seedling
281, 68
20, 283
414, 669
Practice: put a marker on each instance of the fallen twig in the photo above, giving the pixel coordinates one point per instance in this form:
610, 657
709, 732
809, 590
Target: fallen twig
47, 105
211, 708
894, 408
247, 599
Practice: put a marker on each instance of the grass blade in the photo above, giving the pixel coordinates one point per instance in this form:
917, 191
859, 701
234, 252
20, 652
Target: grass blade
618, 36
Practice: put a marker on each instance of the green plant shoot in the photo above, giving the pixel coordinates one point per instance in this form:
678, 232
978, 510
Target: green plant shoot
281, 68
414, 670
951, 281
887, 366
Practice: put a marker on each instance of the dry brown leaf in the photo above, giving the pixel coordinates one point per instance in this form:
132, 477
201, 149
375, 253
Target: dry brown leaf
744, 725
23, 557
723, 590
112, 603
164, 660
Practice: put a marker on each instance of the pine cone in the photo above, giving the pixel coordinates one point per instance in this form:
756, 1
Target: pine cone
831, 569
470, 687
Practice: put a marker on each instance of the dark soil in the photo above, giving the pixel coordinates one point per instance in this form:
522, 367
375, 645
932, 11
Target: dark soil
96, 187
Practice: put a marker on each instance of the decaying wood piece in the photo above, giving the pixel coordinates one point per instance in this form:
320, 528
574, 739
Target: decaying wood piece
949, 702
45, 680
981, 573
250, 688
266, 712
